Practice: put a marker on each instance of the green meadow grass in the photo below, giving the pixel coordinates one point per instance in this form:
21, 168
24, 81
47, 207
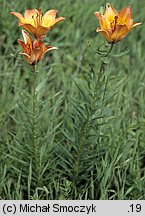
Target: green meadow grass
91, 129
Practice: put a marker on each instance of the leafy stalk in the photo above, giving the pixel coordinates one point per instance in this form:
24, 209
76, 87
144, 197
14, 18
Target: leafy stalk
35, 122
84, 133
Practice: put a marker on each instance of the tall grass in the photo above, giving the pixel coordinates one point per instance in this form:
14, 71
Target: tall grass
91, 128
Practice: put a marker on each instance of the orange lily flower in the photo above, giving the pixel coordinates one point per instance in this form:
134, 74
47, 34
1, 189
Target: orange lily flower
33, 50
114, 26
37, 24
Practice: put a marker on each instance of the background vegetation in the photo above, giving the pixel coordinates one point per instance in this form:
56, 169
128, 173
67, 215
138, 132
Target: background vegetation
91, 127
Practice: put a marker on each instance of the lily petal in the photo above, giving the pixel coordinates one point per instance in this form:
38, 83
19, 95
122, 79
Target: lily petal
136, 24
19, 16
48, 48
104, 23
22, 45
125, 16
38, 43
49, 18
119, 33
57, 20
41, 30
30, 59
39, 52
25, 54
110, 12
105, 34
29, 27
29, 14
27, 38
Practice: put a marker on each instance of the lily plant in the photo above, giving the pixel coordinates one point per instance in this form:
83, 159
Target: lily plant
33, 50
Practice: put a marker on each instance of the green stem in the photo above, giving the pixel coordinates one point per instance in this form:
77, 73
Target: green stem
35, 122
111, 47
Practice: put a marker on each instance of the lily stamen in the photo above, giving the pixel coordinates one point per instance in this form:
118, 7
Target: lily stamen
114, 23
37, 19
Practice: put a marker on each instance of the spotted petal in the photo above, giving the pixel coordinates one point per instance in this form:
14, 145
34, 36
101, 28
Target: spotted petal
30, 14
